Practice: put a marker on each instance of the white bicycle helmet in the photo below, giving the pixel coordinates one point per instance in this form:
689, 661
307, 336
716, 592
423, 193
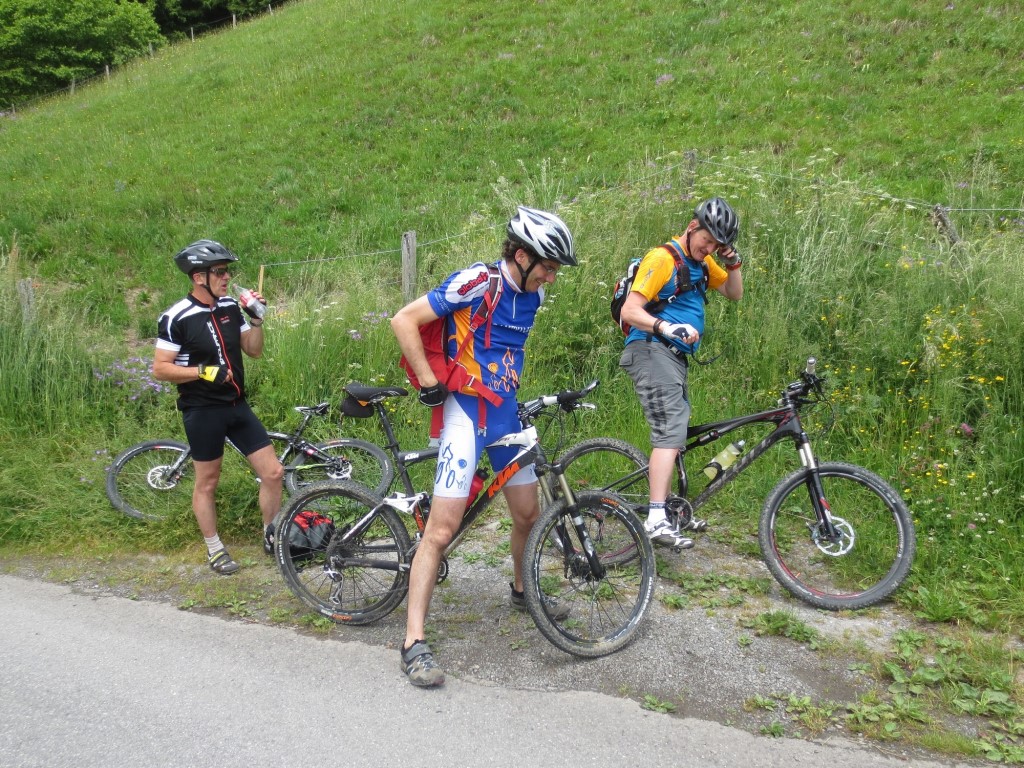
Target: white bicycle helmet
544, 234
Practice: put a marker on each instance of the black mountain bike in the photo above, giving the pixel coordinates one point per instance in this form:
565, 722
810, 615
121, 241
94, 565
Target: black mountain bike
154, 479
346, 553
835, 535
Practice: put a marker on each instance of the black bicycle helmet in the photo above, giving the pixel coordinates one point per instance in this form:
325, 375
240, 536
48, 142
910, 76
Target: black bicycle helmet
202, 254
718, 218
544, 234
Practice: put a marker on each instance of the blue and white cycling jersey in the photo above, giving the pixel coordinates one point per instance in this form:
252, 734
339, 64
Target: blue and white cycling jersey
495, 353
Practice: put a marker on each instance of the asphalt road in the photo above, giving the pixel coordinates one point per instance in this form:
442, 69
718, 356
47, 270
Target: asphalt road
99, 680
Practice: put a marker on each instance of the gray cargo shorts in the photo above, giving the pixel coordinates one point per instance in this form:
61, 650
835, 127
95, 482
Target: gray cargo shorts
659, 378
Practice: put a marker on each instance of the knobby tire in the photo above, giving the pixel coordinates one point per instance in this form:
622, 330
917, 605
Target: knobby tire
138, 483
871, 560
606, 613
350, 582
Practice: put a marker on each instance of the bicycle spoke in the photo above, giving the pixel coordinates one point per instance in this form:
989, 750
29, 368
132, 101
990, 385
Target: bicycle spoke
351, 578
866, 558
606, 609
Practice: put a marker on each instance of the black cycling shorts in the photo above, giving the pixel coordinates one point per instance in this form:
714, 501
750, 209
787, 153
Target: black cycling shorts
208, 427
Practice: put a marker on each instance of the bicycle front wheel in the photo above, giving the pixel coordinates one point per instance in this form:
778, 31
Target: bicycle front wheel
350, 459
864, 564
343, 553
606, 609
151, 480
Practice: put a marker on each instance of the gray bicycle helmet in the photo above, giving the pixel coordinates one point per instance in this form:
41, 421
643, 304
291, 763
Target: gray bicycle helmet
202, 254
718, 218
544, 234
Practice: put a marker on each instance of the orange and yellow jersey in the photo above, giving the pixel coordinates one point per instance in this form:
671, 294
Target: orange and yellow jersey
656, 279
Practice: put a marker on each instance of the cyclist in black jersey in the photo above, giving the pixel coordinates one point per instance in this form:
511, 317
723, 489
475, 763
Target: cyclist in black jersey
199, 347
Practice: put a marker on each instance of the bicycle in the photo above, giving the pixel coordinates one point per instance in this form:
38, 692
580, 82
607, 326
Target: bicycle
848, 560
153, 479
359, 572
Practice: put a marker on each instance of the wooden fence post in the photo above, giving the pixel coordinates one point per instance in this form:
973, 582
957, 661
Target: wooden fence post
691, 171
270, 8
192, 33
940, 220
408, 266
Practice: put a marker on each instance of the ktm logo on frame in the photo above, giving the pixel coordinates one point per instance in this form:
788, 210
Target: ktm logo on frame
503, 477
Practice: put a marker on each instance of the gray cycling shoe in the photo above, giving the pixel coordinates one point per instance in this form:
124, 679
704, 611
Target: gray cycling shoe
221, 562
557, 610
664, 535
419, 665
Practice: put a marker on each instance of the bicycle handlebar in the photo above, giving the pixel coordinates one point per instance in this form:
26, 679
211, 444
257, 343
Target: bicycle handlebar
567, 400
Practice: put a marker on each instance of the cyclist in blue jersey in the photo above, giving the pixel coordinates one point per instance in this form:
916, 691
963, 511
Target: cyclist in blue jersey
537, 245
661, 340
199, 347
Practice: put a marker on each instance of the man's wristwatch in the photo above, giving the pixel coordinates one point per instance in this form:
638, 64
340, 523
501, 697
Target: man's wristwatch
255, 322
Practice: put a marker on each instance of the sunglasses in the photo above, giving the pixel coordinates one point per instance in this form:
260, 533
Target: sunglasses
221, 272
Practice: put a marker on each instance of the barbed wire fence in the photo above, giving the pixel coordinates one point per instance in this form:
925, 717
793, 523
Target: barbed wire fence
939, 215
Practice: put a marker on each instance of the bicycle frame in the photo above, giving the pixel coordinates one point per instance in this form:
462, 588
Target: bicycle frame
786, 418
530, 453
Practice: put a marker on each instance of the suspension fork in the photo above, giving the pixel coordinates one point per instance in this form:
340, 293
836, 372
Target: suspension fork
815, 490
597, 568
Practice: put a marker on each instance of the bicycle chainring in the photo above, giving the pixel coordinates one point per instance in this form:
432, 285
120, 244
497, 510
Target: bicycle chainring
679, 512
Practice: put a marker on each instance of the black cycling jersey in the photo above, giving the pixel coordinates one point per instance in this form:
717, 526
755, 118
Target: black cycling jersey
201, 336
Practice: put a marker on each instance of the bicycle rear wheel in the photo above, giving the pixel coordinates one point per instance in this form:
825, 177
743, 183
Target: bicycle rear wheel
151, 480
610, 465
351, 459
868, 562
606, 611
349, 576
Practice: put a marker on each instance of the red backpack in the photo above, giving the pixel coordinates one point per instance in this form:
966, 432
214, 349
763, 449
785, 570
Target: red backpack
451, 372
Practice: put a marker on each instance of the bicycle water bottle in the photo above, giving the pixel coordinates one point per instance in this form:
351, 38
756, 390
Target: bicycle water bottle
724, 460
249, 302
474, 488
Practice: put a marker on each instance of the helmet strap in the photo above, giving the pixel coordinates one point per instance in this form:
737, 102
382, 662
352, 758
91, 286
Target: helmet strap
524, 273
206, 285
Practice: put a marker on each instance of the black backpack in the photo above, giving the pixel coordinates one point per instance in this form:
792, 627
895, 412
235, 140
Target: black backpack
683, 284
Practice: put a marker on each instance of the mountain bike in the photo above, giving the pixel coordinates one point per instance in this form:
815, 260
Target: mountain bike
835, 535
356, 569
153, 479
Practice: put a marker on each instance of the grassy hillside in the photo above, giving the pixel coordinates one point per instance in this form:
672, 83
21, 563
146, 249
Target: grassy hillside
311, 139
331, 126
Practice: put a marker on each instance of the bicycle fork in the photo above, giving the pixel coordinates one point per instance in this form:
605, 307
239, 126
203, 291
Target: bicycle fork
588, 565
831, 534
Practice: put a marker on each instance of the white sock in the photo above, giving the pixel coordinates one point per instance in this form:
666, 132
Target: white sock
655, 513
213, 544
